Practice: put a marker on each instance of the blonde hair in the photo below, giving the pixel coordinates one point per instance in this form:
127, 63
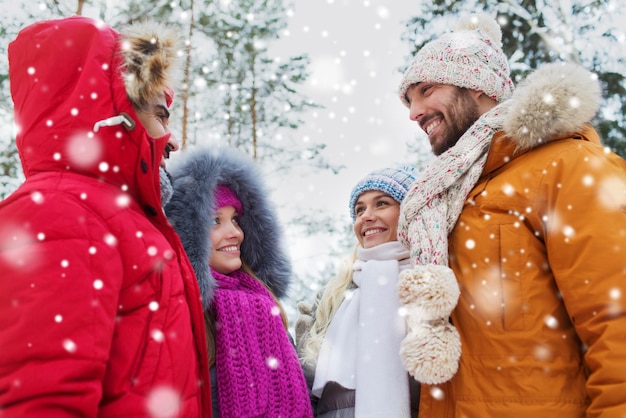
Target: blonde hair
333, 294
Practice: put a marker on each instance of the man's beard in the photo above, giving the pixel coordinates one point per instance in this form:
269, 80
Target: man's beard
460, 116
167, 190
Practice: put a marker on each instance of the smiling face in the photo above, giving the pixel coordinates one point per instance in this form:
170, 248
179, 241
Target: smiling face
376, 219
155, 118
226, 237
443, 111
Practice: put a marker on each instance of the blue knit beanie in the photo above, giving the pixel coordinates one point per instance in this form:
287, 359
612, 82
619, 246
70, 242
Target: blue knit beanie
393, 181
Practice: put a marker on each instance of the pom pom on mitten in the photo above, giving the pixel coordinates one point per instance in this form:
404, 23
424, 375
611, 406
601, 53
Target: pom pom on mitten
431, 352
432, 347
431, 289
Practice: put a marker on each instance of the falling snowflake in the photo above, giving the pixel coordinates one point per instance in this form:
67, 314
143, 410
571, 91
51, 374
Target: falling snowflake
508, 190
110, 239
542, 352
611, 191
15, 243
588, 180
157, 335
568, 231
83, 150
551, 322
69, 345
548, 99
163, 402
437, 393
37, 197
272, 363
615, 293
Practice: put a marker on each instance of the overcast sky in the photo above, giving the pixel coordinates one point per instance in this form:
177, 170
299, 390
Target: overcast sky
355, 50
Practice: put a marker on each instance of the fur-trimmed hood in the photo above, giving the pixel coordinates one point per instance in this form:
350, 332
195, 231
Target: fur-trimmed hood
68, 78
554, 100
196, 175
149, 52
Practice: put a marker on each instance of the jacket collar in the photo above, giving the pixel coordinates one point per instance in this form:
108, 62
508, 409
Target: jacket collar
554, 102
503, 149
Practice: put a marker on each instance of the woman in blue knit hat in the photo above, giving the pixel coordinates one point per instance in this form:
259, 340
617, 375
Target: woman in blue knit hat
349, 341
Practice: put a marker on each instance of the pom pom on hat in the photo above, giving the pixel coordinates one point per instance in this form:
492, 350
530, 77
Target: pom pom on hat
224, 196
393, 181
471, 57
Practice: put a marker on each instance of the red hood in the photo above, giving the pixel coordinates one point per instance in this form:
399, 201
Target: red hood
66, 76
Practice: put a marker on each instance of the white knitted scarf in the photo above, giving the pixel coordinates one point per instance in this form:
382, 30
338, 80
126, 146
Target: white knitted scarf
361, 346
429, 290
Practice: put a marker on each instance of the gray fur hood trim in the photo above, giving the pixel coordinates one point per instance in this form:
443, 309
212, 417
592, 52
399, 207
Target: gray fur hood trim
195, 176
554, 100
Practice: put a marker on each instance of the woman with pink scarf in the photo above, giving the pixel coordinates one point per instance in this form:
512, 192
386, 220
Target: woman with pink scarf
234, 241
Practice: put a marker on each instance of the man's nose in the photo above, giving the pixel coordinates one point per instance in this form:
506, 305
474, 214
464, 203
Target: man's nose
173, 143
416, 111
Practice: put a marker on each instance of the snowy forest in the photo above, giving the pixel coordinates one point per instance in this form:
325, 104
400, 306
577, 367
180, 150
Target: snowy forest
236, 91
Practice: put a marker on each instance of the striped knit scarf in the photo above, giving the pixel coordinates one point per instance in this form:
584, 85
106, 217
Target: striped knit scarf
258, 371
429, 291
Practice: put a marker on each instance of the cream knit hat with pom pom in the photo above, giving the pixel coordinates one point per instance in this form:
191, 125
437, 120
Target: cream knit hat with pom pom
471, 56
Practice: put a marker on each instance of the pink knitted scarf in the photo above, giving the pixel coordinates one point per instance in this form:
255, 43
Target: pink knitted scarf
258, 371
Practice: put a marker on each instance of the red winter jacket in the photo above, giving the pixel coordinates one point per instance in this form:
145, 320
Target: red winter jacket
100, 312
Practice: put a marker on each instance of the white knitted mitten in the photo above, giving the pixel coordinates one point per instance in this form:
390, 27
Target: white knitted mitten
432, 347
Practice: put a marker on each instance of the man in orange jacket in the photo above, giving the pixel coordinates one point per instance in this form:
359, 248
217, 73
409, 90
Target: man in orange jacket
524, 212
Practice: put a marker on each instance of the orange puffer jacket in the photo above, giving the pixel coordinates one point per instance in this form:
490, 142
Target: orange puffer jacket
539, 252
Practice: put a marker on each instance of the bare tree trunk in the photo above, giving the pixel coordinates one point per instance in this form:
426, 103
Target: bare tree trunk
186, 80
229, 123
253, 111
79, 9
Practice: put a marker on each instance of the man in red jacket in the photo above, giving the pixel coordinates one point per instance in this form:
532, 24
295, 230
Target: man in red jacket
100, 312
